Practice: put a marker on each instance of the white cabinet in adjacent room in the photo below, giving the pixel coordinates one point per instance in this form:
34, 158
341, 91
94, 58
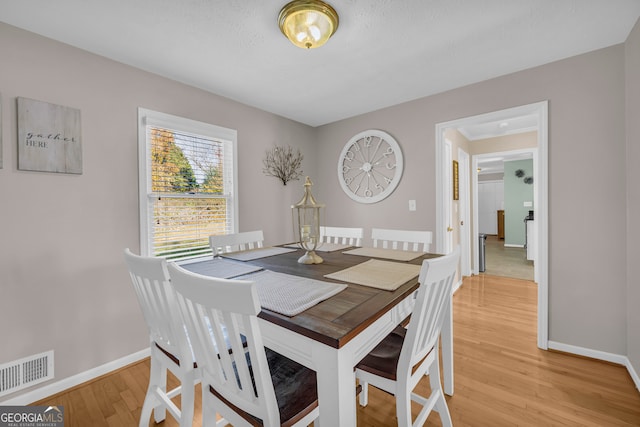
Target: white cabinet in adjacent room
531, 240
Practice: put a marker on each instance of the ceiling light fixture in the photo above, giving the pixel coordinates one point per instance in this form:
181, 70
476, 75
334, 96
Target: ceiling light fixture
308, 23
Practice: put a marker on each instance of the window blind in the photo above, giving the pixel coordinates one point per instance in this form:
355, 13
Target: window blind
190, 191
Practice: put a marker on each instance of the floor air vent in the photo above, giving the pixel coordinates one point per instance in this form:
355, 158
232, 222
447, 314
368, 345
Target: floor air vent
25, 372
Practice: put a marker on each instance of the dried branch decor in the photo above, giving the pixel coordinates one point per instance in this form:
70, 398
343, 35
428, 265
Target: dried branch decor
283, 163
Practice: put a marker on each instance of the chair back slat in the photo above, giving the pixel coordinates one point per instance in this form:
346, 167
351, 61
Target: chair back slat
342, 235
433, 299
150, 279
247, 240
406, 240
222, 313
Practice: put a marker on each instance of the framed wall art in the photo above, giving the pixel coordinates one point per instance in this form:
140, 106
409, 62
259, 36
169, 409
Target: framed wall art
49, 137
456, 184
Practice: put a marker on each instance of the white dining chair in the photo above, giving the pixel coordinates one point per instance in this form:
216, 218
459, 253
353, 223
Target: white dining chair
170, 349
342, 235
225, 243
407, 240
400, 361
261, 388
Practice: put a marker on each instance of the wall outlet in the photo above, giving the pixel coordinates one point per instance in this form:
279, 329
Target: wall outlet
412, 205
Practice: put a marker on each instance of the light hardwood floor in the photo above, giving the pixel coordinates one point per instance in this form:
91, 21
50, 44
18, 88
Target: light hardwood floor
501, 377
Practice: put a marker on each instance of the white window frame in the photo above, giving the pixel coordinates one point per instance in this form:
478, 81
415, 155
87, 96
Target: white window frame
154, 118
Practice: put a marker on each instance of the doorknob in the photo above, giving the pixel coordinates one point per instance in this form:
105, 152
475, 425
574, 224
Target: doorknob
449, 229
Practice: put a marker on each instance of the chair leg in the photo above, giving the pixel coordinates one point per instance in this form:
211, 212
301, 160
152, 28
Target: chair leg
187, 401
160, 411
147, 407
364, 394
443, 411
436, 389
157, 380
403, 407
208, 409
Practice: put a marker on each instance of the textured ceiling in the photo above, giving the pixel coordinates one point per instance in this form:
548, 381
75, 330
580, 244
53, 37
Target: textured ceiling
385, 52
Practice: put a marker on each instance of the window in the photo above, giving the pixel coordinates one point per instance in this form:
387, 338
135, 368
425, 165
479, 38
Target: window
187, 184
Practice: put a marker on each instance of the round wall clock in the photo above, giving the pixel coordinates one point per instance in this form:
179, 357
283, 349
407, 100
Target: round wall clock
370, 166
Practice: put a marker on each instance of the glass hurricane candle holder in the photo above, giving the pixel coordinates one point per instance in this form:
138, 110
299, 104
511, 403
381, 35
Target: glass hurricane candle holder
306, 225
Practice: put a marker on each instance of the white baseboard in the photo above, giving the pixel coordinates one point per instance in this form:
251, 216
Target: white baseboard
509, 245
67, 383
587, 352
634, 374
600, 355
456, 286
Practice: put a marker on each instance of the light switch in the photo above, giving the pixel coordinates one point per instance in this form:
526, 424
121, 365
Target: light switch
412, 205
528, 204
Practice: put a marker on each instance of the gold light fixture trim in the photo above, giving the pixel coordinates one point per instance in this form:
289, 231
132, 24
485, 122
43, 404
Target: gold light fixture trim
308, 23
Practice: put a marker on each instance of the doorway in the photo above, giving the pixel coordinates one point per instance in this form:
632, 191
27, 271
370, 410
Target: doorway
540, 198
503, 185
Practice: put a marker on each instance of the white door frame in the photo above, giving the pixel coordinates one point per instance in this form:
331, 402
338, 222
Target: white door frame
447, 195
541, 192
463, 208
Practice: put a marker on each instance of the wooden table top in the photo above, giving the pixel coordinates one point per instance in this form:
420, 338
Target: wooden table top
337, 320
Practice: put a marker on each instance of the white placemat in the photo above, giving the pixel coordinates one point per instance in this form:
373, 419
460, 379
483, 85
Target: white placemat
222, 268
325, 247
291, 295
257, 253
394, 254
387, 275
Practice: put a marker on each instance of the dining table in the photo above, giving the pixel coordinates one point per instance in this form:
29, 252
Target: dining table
333, 335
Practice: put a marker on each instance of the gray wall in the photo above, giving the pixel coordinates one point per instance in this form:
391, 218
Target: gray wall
516, 192
632, 50
586, 127
62, 276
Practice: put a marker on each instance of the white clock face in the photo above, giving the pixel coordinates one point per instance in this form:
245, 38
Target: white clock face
370, 166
